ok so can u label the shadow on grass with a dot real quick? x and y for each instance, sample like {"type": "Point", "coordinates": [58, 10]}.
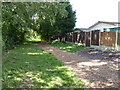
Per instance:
{"type": "Point", "coordinates": [28, 66]}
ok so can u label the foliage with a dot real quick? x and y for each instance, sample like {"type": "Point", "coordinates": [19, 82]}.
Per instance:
{"type": "Point", "coordinates": [65, 24]}
{"type": "Point", "coordinates": [18, 18]}
{"type": "Point", "coordinates": [14, 24]}
{"type": "Point", "coordinates": [91, 81]}
{"type": "Point", "coordinates": [57, 25]}
{"type": "Point", "coordinates": [50, 20]}
{"type": "Point", "coordinates": [45, 24]}
{"type": "Point", "coordinates": [69, 47]}
{"type": "Point", "coordinates": [28, 66]}
{"type": "Point", "coordinates": [32, 35]}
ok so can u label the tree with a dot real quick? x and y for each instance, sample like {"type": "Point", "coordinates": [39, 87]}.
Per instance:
{"type": "Point", "coordinates": [18, 18]}
{"type": "Point", "coordinates": [66, 24]}
{"type": "Point", "coordinates": [46, 23]}
{"type": "Point", "coordinates": [49, 19]}
{"type": "Point", "coordinates": [59, 24]}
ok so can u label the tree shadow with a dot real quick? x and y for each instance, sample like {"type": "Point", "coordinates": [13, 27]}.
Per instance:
{"type": "Point", "coordinates": [37, 68]}
{"type": "Point", "coordinates": [99, 54]}
{"type": "Point", "coordinates": [101, 66]}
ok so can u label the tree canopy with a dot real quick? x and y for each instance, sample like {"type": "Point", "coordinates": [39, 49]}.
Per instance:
{"type": "Point", "coordinates": [49, 19]}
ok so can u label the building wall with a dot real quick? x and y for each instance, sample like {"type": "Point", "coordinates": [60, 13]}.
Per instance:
{"type": "Point", "coordinates": [101, 26]}
{"type": "Point", "coordinates": [108, 38]}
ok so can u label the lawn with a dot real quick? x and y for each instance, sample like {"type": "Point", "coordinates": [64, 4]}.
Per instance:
{"type": "Point", "coordinates": [69, 47]}
{"type": "Point", "coordinates": [28, 66]}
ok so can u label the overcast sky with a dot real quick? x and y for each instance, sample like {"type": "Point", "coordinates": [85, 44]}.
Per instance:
{"type": "Point", "coordinates": [90, 11]}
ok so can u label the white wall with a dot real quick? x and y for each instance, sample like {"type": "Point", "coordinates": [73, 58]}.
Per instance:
{"type": "Point", "coordinates": [100, 26]}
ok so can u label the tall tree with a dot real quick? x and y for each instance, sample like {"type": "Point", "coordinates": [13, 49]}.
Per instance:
{"type": "Point", "coordinates": [59, 25]}
{"type": "Point", "coordinates": [49, 19]}
{"type": "Point", "coordinates": [65, 24]}
{"type": "Point", "coordinates": [45, 24]}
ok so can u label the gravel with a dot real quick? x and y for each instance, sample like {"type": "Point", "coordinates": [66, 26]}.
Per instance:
{"type": "Point", "coordinates": [98, 66]}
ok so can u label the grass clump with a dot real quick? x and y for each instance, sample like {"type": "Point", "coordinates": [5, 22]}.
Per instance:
{"type": "Point", "coordinates": [29, 66]}
{"type": "Point", "coordinates": [69, 47]}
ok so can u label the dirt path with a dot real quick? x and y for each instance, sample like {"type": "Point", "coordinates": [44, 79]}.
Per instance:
{"type": "Point", "coordinates": [96, 69]}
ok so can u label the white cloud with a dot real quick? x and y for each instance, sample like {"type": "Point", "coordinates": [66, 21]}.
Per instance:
{"type": "Point", "coordinates": [90, 11]}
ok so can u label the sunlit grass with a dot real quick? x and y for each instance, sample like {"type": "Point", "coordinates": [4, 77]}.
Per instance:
{"type": "Point", "coordinates": [69, 47]}
{"type": "Point", "coordinates": [32, 35]}
{"type": "Point", "coordinates": [33, 39]}
{"type": "Point", "coordinates": [28, 66]}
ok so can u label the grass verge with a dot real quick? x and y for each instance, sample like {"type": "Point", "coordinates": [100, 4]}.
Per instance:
{"type": "Point", "coordinates": [28, 66]}
{"type": "Point", "coordinates": [69, 47]}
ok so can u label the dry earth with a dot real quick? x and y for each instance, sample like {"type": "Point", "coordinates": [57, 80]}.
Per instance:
{"type": "Point", "coordinates": [98, 69]}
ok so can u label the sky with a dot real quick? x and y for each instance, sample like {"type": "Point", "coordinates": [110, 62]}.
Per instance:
{"type": "Point", "coordinates": [88, 12]}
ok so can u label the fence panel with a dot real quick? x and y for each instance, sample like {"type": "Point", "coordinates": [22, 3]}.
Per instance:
{"type": "Point", "coordinates": [81, 37]}
{"type": "Point", "coordinates": [108, 38]}
{"type": "Point", "coordinates": [87, 42]}
{"type": "Point", "coordinates": [74, 37]}
{"type": "Point", "coordinates": [69, 37]}
{"type": "Point", "coordinates": [118, 41]}
{"type": "Point", "coordinates": [95, 37]}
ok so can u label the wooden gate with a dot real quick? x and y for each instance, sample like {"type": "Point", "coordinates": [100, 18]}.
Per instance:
{"type": "Point", "coordinates": [95, 37]}
{"type": "Point", "coordinates": [87, 41]}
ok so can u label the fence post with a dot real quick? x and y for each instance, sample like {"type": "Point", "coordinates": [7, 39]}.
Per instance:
{"type": "Point", "coordinates": [72, 36]}
{"type": "Point", "coordinates": [99, 37]}
{"type": "Point", "coordinates": [90, 38]}
{"type": "Point", "coordinates": [77, 37]}
{"type": "Point", "coordinates": [85, 38]}
{"type": "Point", "coordinates": [116, 41]}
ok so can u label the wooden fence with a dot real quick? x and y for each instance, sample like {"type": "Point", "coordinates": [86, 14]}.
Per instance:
{"type": "Point", "coordinates": [108, 38]}
{"type": "Point", "coordinates": [76, 37]}
{"type": "Point", "coordinates": [95, 38]}
{"type": "Point", "coordinates": [118, 41]}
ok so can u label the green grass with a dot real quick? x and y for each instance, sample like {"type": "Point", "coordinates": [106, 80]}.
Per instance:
{"type": "Point", "coordinates": [91, 81]}
{"type": "Point", "coordinates": [69, 47]}
{"type": "Point", "coordinates": [33, 39]}
{"type": "Point", "coordinates": [30, 66]}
